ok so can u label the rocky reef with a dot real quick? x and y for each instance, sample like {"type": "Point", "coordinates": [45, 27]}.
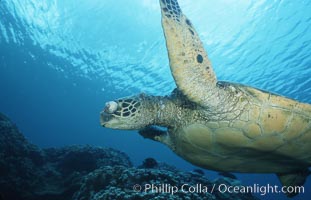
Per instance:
{"type": "Point", "coordinates": [92, 173]}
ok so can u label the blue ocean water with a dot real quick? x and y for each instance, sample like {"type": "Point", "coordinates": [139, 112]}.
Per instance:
{"type": "Point", "coordinates": [60, 61]}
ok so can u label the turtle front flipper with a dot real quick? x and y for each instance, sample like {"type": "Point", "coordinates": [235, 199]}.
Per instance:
{"type": "Point", "coordinates": [156, 134]}
{"type": "Point", "coordinates": [191, 69]}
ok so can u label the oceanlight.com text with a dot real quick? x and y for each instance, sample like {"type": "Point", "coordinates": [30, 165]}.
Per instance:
{"type": "Point", "coordinates": [260, 189]}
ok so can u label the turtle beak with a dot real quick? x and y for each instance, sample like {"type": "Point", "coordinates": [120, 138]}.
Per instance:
{"type": "Point", "coordinates": [110, 120]}
{"type": "Point", "coordinates": [105, 118]}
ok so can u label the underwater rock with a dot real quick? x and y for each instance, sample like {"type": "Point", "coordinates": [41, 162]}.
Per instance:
{"type": "Point", "coordinates": [199, 171]}
{"type": "Point", "coordinates": [152, 163]}
{"type": "Point", "coordinates": [149, 163]}
{"type": "Point", "coordinates": [19, 163]}
{"type": "Point", "coordinates": [85, 158]}
{"type": "Point", "coordinates": [88, 173]}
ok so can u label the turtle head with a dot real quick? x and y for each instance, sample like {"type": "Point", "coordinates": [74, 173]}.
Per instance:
{"type": "Point", "coordinates": [126, 113]}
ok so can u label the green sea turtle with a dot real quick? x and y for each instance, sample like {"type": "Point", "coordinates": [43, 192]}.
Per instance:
{"type": "Point", "coordinates": [213, 124]}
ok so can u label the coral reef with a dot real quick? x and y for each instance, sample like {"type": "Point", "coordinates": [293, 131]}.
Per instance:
{"type": "Point", "coordinates": [91, 173]}
{"type": "Point", "coordinates": [29, 173]}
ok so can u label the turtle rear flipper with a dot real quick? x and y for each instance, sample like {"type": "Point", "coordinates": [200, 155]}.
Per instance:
{"type": "Point", "coordinates": [190, 66]}
{"type": "Point", "coordinates": [295, 180]}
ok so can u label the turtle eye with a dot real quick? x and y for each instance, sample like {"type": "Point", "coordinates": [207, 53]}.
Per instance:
{"type": "Point", "coordinates": [111, 107]}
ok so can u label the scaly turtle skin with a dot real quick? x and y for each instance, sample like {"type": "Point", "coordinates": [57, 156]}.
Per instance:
{"type": "Point", "coordinates": [213, 124]}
